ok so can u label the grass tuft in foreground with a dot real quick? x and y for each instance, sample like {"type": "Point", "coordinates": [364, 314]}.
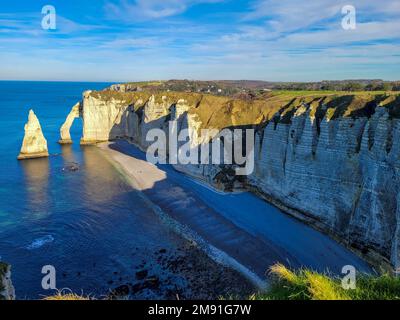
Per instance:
{"type": "Point", "coordinates": [309, 285]}
{"type": "Point", "coordinates": [62, 295]}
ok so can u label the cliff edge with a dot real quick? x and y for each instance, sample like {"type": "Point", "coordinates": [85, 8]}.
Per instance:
{"type": "Point", "coordinates": [330, 159]}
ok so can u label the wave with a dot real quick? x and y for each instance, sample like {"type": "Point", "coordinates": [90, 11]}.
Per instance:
{"type": "Point", "coordinates": [40, 242]}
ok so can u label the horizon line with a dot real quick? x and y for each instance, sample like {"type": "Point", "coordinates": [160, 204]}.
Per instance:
{"type": "Point", "coordinates": [186, 79]}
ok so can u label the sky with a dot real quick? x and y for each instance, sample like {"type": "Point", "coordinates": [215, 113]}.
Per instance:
{"type": "Point", "coordinates": [134, 40]}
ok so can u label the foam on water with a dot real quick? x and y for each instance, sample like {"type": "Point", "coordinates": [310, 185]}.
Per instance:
{"type": "Point", "coordinates": [40, 242]}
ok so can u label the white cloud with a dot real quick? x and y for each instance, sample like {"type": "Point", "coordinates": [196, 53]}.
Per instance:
{"type": "Point", "coordinates": [291, 15]}
{"type": "Point", "coordinates": [150, 9]}
{"type": "Point", "coordinates": [279, 40]}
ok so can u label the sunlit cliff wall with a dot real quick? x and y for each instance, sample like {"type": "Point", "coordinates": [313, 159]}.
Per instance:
{"type": "Point", "coordinates": [331, 160]}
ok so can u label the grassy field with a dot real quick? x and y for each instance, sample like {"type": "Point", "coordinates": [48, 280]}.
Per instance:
{"type": "Point", "coordinates": [309, 285]}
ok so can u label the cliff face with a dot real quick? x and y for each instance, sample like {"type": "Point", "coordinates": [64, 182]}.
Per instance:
{"type": "Point", "coordinates": [34, 144]}
{"type": "Point", "coordinates": [7, 291]}
{"type": "Point", "coordinates": [331, 160]}
{"type": "Point", "coordinates": [341, 174]}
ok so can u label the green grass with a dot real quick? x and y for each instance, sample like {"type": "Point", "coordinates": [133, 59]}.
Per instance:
{"type": "Point", "coordinates": [305, 285]}
{"type": "Point", "coordinates": [297, 93]}
{"type": "Point", "coordinates": [328, 92]}
{"type": "Point", "coordinates": [309, 285]}
{"type": "Point", "coordinates": [155, 83]}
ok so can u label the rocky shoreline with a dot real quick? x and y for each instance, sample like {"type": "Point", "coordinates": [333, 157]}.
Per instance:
{"type": "Point", "coordinates": [186, 274]}
{"type": "Point", "coordinates": [251, 257]}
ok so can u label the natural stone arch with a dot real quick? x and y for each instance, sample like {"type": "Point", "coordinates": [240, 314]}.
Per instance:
{"type": "Point", "coordinates": [65, 128]}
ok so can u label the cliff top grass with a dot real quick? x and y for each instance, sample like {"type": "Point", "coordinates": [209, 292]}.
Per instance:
{"type": "Point", "coordinates": [130, 98]}
{"type": "Point", "coordinates": [309, 285]}
{"type": "Point", "coordinates": [221, 111]}
{"type": "Point", "coordinates": [154, 83]}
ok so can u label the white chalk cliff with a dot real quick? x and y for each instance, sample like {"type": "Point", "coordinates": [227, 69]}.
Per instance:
{"type": "Point", "coordinates": [332, 161]}
{"type": "Point", "coordinates": [34, 144]}
{"type": "Point", "coordinates": [65, 129]}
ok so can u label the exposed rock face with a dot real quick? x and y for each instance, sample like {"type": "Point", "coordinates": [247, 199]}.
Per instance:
{"type": "Point", "coordinates": [64, 131]}
{"type": "Point", "coordinates": [341, 175]}
{"type": "Point", "coordinates": [34, 144]}
{"type": "Point", "coordinates": [108, 115]}
{"type": "Point", "coordinates": [330, 160]}
{"type": "Point", "coordinates": [7, 291]}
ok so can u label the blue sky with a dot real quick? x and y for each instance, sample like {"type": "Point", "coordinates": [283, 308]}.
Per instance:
{"type": "Point", "coordinates": [127, 40]}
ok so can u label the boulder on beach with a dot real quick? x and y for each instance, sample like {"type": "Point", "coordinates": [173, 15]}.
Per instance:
{"type": "Point", "coordinates": [34, 144]}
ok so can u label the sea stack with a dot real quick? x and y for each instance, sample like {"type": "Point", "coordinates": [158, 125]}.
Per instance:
{"type": "Point", "coordinates": [64, 131]}
{"type": "Point", "coordinates": [34, 144]}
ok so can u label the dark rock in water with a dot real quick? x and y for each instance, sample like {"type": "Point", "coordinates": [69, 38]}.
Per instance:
{"type": "Point", "coordinates": [140, 275]}
{"type": "Point", "coordinates": [163, 251]}
{"type": "Point", "coordinates": [72, 167]}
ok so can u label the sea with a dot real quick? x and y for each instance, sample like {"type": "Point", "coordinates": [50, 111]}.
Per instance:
{"type": "Point", "coordinates": [88, 224]}
{"type": "Point", "coordinates": [91, 227]}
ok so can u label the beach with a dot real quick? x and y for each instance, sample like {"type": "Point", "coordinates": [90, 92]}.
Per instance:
{"type": "Point", "coordinates": [246, 233]}
{"type": "Point", "coordinates": [208, 272]}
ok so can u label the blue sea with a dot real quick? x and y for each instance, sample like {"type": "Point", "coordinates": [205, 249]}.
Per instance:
{"type": "Point", "coordinates": [98, 232]}
{"type": "Point", "coordinates": [89, 224]}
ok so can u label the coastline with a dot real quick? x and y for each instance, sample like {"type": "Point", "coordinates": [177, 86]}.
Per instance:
{"type": "Point", "coordinates": [141, 176]}
{"type": "Point", "coordinates": [248, 230]}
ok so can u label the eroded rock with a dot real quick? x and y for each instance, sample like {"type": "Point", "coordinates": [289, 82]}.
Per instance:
{"type": "Point", "coordinates": [65, 128]}
{"type": "Point", "coordinates": [34, 144]}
